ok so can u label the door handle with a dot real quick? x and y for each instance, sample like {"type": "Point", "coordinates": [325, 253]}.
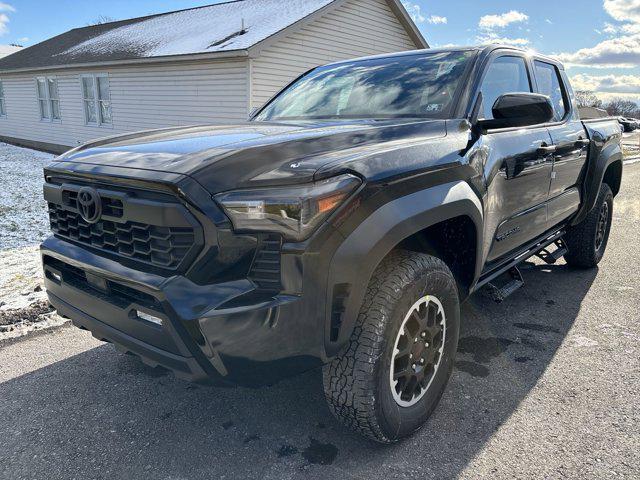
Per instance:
{"type": "Point", "coordinates": [546, 149]}
{"type": "Point", "coordinates": [583, 142]}
{"type": "Point", "coordinates": [533, 163]}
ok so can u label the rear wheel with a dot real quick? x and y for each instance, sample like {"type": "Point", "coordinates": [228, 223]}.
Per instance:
{"type": "Point", "coordinates": [401, 353]}
{"type": "Point", "coordinates": [588, 240]}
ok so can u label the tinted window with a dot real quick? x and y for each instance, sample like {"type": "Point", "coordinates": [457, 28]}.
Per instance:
{"type": "Point", "coordinates": [407, 86]}
{"type": "Point", "coordinates": [504, 75]}
{"type": "Point", "coordinates": [549, 84]}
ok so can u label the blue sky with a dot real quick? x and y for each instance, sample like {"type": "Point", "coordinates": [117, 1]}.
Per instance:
{"type": "Point", "coordinates": [599, 40]}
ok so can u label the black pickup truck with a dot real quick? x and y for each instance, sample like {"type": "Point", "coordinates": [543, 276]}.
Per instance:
{"type": "Point", "coordinates": [340, 227]}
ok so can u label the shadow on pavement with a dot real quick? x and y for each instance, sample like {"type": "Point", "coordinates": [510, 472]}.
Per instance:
{"type": "Point", "coordinates": [104, 415]}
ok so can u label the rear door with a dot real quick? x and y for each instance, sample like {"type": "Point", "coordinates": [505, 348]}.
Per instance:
{"type": "Point", "coordinates": [570, 139]}
{"type": "Point", "coordinates": [518, 165]}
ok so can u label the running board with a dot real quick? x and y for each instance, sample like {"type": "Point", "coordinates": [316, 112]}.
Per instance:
{"type": "Point", "coordinates": [529, 250]}
{"type": "Point", "coordinates": [512, 283]}
{"type": "Point", "coordinates": [552, 257]}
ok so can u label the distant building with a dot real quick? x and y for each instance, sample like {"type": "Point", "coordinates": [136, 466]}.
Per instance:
{"type": "Point", "coordinates": [204, 65]}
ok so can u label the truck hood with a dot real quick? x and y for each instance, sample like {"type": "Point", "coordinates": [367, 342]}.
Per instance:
{"type": "Point", "coordinates": [249, 154]}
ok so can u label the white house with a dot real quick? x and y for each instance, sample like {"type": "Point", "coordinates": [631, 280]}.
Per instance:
{"type": "Point", "coordinates": [204, 65]}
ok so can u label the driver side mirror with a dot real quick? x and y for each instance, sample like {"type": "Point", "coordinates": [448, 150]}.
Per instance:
{"type": "Point", "coordinates": [519, 110]}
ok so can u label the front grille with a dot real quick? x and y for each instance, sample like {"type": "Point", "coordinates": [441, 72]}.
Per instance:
{"type": "Point", "coordinates": [158, 246]}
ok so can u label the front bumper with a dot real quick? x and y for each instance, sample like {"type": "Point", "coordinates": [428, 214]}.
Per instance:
{"type": "Point", "coordinates": [223, 332]}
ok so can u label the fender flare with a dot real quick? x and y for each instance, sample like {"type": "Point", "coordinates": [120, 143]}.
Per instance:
{"type": "Point", "coordinates": [355, 260]}
{"type": "Point", "coordinates": [604, 153]}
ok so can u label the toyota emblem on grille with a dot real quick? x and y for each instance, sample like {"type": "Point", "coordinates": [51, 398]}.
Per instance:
{"type": "Point", "coordinates": [89, 204]}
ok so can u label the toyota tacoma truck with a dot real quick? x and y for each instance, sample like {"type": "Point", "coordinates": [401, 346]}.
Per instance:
{"type": "Point", "coordinates": [341, 226]}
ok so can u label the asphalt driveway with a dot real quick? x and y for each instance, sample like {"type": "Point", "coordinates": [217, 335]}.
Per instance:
{"type": "Point", "coordinates": [547, 386]}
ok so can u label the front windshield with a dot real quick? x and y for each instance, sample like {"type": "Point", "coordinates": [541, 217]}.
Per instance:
{"type": "Point", "coordinates": [411, 86]}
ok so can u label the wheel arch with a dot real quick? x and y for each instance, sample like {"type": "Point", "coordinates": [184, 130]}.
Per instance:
{"type": "Point", "coordinates": [410, 222]}
{"type": "Point", "coordinates": [605, 165]}
{"type": "Point", "coordinates": [613, 176]}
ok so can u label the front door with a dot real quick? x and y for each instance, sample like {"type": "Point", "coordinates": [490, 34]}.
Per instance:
{"type": "Point", "coordinates": [517, 168]}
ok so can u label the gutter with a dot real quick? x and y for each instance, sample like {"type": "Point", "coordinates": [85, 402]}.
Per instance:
{"type": "Point", "coordinates": [136, 61]}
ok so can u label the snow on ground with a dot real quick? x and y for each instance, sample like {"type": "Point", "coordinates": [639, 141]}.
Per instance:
{"type": "Point", "coordinates": [23, 215]}
{"type": "Point", "coordinates": [213, 28]}
{"type": "Point", "coordinates": [631, 145]}
{"type": "Point", "coordinates": [23, 225]}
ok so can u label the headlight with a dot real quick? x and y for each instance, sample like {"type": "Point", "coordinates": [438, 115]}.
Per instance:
{"type": "Point", "coordinates": [295, 211]}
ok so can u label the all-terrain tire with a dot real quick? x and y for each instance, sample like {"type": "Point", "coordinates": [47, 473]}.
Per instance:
{"type": "Point", "coordinates": [587, 241]}
{"type": "Point", "coordinates": [357, 383]}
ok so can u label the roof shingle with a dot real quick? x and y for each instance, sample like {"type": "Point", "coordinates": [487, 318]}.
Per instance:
{"type": "Point", "coordinates": [223, 27]}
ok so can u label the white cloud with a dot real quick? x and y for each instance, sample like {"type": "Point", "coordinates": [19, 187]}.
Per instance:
{"type": "Point", "coordinates": [4, 20]}
{"type": "Point", "coordinates": [617, 84]}
{"type": "Point", "coordinates": [414, 11]}
{"type": "Point", "coordinates": [621, 52]}
{"type": "Point", "coordinates": [435, 19]}
{"type": "Point", "coordinates": [631, 28]}
{"type": "Point", "coordinates": [608, 87]}
{"type": "Point", "coordinates": [548, 21]}
{"type": "Point", "coordinates": [23, 39]}
{"type": "Point", "coordinates": [623, 10]}
{"type": "Point", "coordinates": [489, 22]}
{"type": "Point", "coordinates": [622, 49]}
{"type": "Point", "coordinates": [8, 50]}
{"type": "Point", "coordinates": [492, 37]}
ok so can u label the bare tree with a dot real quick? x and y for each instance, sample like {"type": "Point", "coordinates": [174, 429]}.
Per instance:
{"type": "Point", "coordinates": [100, 20]}
{"type": "Point", "coordinates": [588, 99]}
{"type": "Point", "coordinates": [619, 107]}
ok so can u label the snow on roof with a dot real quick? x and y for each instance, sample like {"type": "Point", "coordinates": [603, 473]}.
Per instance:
{"type": "Point", "coordinates": [215, 28]}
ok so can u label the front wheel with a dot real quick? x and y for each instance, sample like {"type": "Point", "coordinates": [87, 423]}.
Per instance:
{"type": "Point", "coordinates": [401, 353]}
{"type": "Point", "coordinates": [588, 240]}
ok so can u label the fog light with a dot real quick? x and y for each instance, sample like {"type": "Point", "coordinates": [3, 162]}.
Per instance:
{"type": "Point", "coordinates": [138, 315]}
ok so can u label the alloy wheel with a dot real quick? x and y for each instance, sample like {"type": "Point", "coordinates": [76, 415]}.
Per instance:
{"type": "Point", "coordinates": [417, 353]}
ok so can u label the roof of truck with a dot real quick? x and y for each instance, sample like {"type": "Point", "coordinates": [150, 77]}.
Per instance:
{"type": "Point", "coordinates": [485, 49]}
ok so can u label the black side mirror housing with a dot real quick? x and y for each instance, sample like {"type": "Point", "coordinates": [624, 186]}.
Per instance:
{"type": "Point", "coordinates": [519, 110]}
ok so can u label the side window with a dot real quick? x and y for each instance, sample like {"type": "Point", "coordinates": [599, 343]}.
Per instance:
{"type": "Point", "coordinates": [550, 85]}
{"type": "Point", "coordinates": [97, 99]}
{"type": "Point", "coordinates": [48, 98]}
{"type": "Point", "coordinates": [504, 75]}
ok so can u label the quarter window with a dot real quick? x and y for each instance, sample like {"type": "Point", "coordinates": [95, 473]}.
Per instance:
{"type": "Point", "coordinates": [97, 99]}
{"type": "Point", "coordinates": [3, 109]}
{"type": "Point", "coordinates": [504, 75]}
{"type": "Point", "coordinates": [549, 84]}
{"type": "Point", "coordinates": [48, 98]}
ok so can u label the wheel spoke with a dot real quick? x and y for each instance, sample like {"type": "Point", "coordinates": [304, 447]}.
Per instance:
{"type": "Point", "coordinates": [418, 351]}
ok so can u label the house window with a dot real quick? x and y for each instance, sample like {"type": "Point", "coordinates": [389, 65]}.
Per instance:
{"type": "Point", "coordinates": [97, 99]}
{"type": "Point", "coordinates": [3, 109]}
{"type": "Point", "coordinates": [48, 98]}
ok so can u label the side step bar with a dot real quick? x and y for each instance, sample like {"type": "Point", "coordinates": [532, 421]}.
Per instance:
{"type": "Point", "coordinates": [514, 282]}
{"type": "Point", "coordinates": [552, 257]}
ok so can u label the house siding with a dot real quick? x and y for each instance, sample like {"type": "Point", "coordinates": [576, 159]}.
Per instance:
{"type": "Point", "coordinates": [195, 92]}
{"type": "Point", "coordinates": [142, 97]}
{"type": "Point", "coordinates": [356, 28]}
